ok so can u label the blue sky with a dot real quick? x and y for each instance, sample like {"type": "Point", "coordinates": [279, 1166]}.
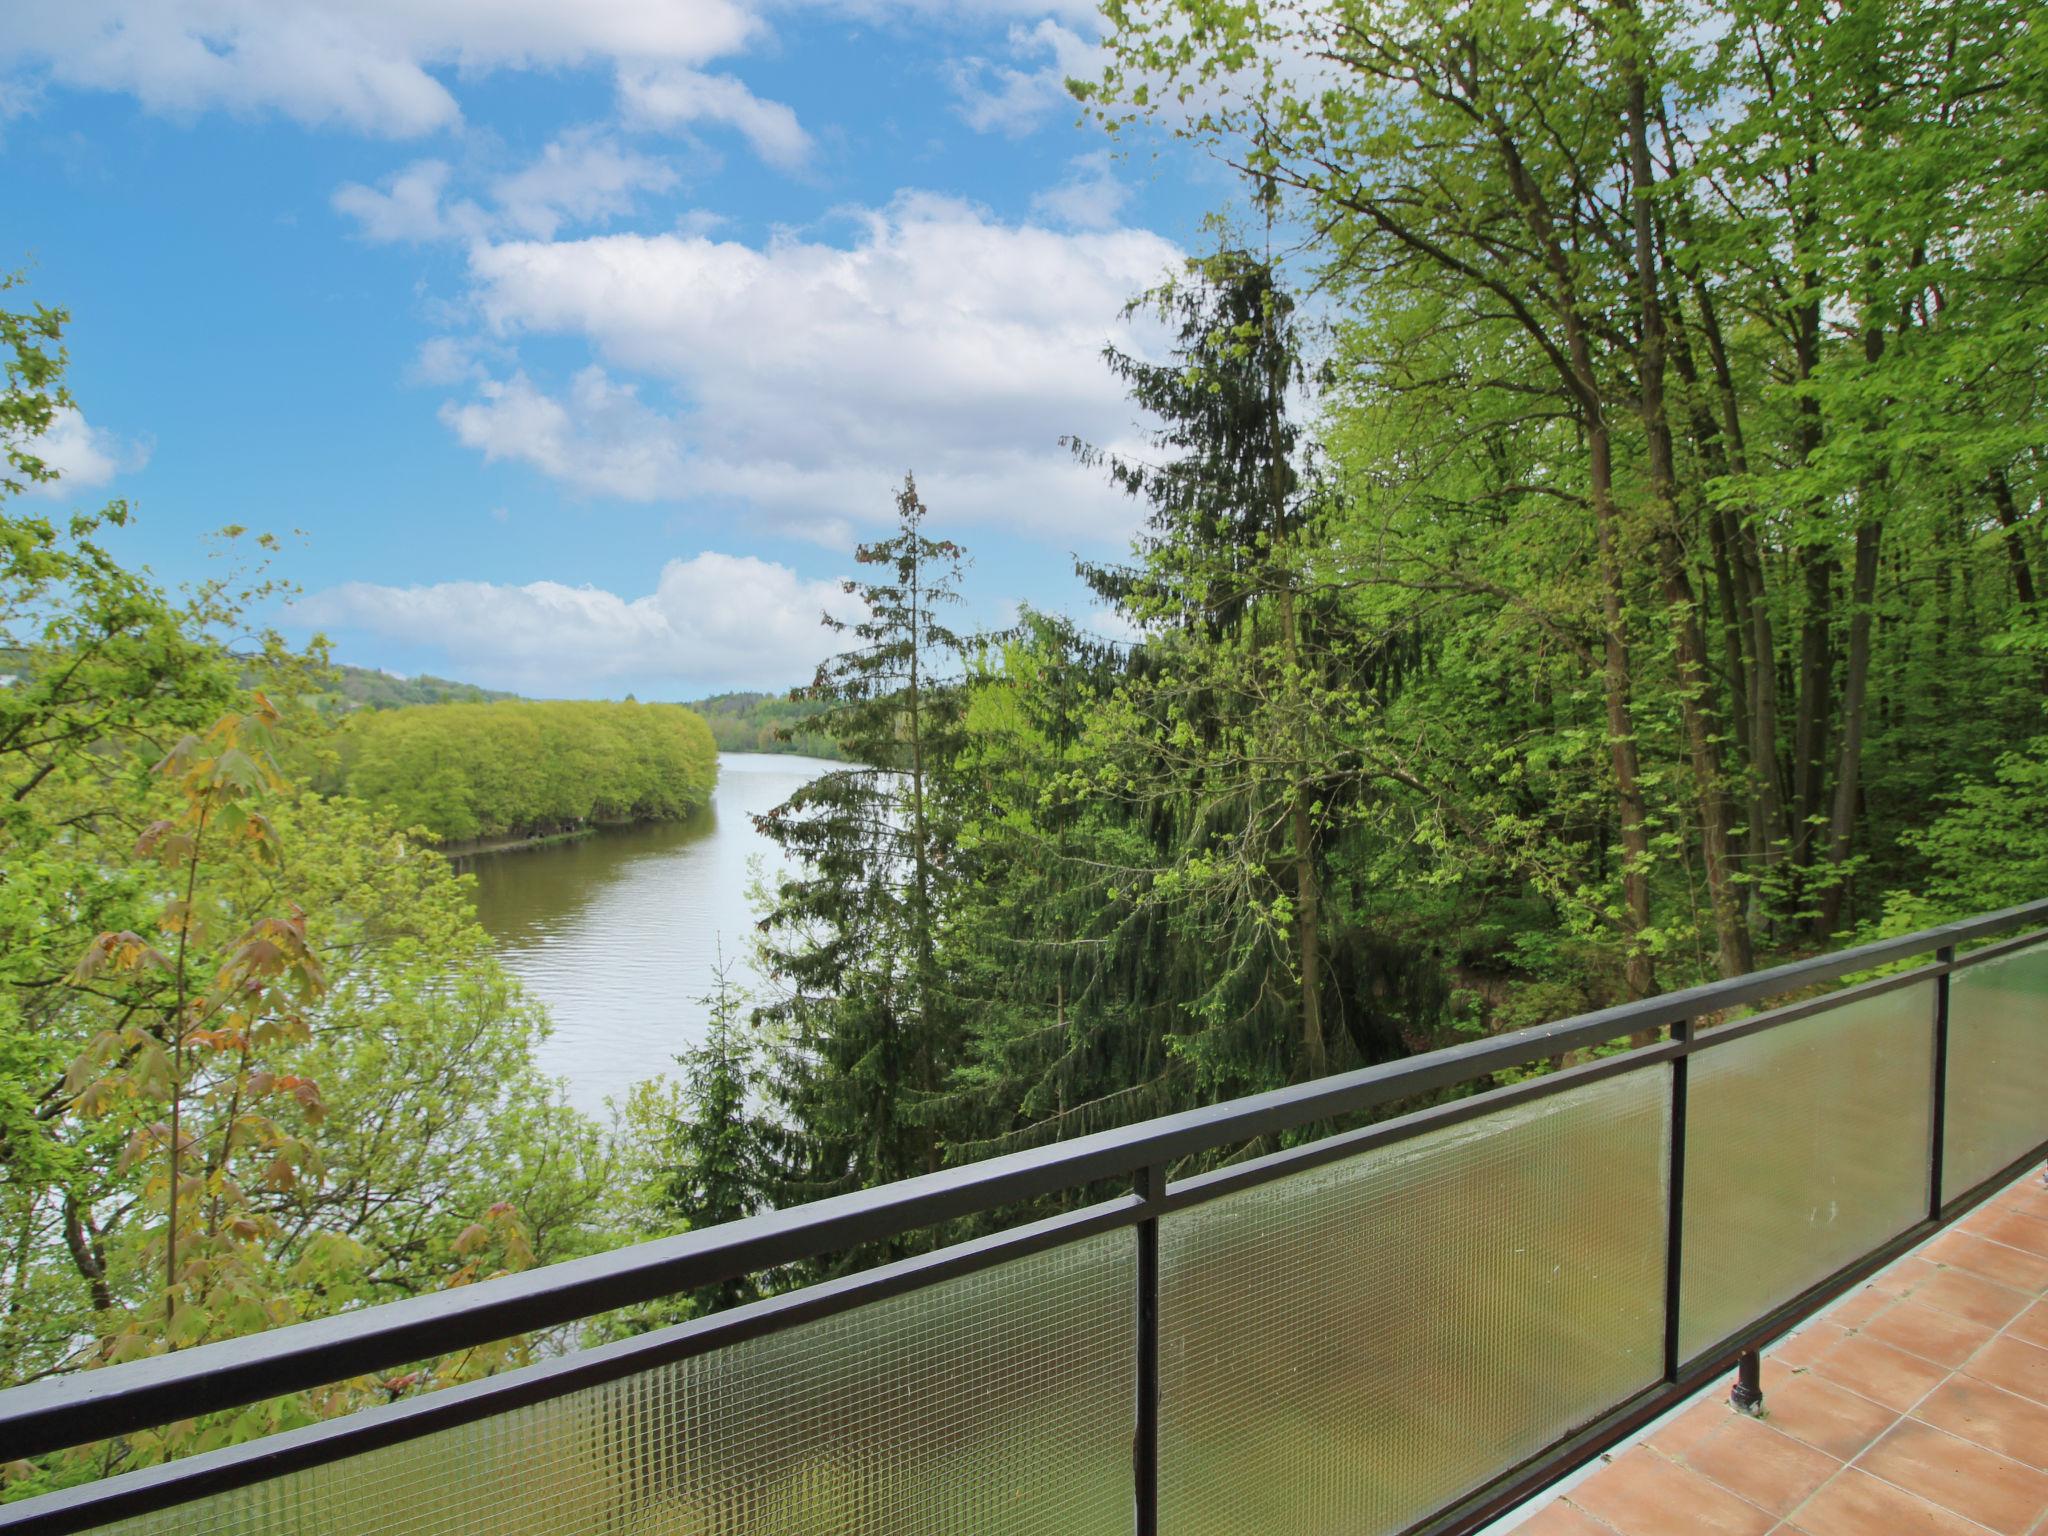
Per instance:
{"type": "Point", "coordinates": [571, 347]}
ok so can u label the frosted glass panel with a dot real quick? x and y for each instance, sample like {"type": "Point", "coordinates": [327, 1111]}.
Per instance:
{"type": "Point", "coordinates": [998, 1403]}
{"type": "Point", "coordinates": [1997, 1066]}
{"type": "Point", "coordinates": [1350, 1348]}
{"type": "Point", "coordinates": [1805, 1149]}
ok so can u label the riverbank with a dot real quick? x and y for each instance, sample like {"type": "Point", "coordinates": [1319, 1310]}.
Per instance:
{"type": "Point", "coordinates": [469, 850]}
{"type": "Point", "coordinates": [483, 776]}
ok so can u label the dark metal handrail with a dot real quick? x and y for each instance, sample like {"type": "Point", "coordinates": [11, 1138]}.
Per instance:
{"type": "Point", "coordinates": [92, 1405]}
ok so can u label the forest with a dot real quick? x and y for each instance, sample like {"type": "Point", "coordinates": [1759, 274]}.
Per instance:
{"type": "Point", "coordinates": [1592, 544]}
{"type": "Point", "coordinates": [764, 722]}
{"type": "Point", "coordinates": [366, 688]}
{"type": "Point", "coordinates": [520, 771]}
{"type": "Point", "coordinates": [1592, 541]}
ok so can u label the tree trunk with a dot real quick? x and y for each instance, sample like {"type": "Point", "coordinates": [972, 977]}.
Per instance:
{"type": "Point", "coordinates": [2015, 548]}
{"type": "Point", "coordinates": [86, 1254]}
{"type": "Point", "coordinates": [1856, 683]}
{"type": "Point", "coordinates": [1731, 931]}
{"type": "Point", "coordinates": [1769, 810]}
{"type": "Point", "coordinates": [1849, 761]}
{"type": "Point", "coordinates": [1581, 381]}
{"type": "Point", "coordinates": [1817, 567]}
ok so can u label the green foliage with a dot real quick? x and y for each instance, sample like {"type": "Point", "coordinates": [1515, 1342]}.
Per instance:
{"type": "Point", "coordinates": [482, 772]}
{"type": "Point", "coordinates": [363, 688]}
{"type": "Point", "coordinates": [864, 1028]}
{"type": "Point", "coordinates": [766, 722]}
{"type": "Point", "coordinates": [1679, 404]}
{"type": "Point", "coordinates": [1986, 850]}
{"type": "Point", "coordinates": [257, 1061]}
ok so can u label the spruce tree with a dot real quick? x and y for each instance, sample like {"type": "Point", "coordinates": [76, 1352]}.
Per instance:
{"type": "Point", "coordinates": [865, 1034]}
{"type": "Point", "coordinates": [719, 1174]}
{"type": "Point", "coordinates": [1227, 725]}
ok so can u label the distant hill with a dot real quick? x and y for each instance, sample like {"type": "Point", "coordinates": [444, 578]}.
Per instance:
{"type": "Point", "coordinates": [367, 688]}
{"type": "Point", "coordinates": [752, 722]}
{"type": "Point", "coordinates": [740, 721]}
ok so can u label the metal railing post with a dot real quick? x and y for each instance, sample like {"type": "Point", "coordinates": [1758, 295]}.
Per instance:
{"type": "Point", "coordinates": [1674, 1232]}
{"type": "Point", "coordinates": [1747, 1395]}
{"type": "Point", "coordinates": [1937, 1119]}
{"type": "Point", "coordinates": [1150, 1184]}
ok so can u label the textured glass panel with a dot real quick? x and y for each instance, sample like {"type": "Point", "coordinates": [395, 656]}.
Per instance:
{"type": "Point", "coordinates": [1805, 1149]}
{"type": "Point", "coordinates": [997, 1403]}
{"type": "Point", "coordinates": [1352, 1347]}
{"type": "Point", "coordinates": [1997, 1066]}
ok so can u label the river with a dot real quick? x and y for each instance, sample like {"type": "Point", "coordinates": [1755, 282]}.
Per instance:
{"type": "Point", "coordinates": [618, 932]}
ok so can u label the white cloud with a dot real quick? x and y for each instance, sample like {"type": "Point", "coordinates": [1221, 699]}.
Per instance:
{"type": "Point", "coordinates": [600, 438]}
{"type": "Point", "coordinates": [585, 176]}
{"type": "Point", "coordinates": [363, 64]}
{"type": "Point", "coordinates": [713, 621]}
{"type": "Point", "coordinates": [1004, 98]}
{"type": "Point", "coordinates": [409, 209]}
{"type": "Point", "coordinates": [85, 457]}
{"type": "Point", "coordinates": [673, 96]}
{"type": "Point", "coordinates": [811, 376]}
{"type": "Point", "coordinates": [582, 177]}
{"type": "Point", "coordinates": [445, 360]}
{"type": "Point", "coordinates": [1090, 198]}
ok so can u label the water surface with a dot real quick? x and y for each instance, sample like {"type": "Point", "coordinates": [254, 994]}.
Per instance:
{"type": "Point", "coordinates": [618, 932]}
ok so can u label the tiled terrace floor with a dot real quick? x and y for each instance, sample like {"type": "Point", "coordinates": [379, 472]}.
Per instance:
{"type": "Point", "coordinates": [1916, 1406]}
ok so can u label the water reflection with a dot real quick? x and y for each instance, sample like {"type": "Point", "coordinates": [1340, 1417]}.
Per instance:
{"type": "Point", "coordinates": [618, 932]}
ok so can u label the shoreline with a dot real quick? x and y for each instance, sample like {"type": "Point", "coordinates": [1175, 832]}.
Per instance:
{"type": "Point", "coordinates": [471, 850]}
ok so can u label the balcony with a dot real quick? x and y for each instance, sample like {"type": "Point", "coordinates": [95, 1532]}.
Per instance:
{"type": "Point", "coordinates": [1407, 1325]}
{"type": "Point", "coordinates": [1916, 1406]}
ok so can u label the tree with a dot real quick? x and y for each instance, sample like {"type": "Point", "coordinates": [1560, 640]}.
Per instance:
{"type": "Point", "coordinates": [257, 1062]}
{"type": "Point", "coordinates": [1229, 722]}
{"type": "Point", "coordinates": [1726, 281]}
{"type": "Point", "coordinates": [514, 769]}
{"type": "Point", "coordinates": [718, 1172]}
{"type": "Point", "coordinates": [865, 1026]}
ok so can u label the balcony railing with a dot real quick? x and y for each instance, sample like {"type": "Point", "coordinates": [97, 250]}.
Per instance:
{"type": "Point", "coordinates": [1405, 1327]}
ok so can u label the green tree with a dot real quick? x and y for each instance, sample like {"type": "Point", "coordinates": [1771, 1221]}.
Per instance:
{"type": "Point", "coordinates": [1230, 724]}
{"type": "Point", "coordinates": [514, 770]}
{"type": "Point", "coordinates": [257, 1062]}
{"type": "Point", "coordinates": [864, 1021]}
{"type": "Point", "coordinates": [719, 1172]}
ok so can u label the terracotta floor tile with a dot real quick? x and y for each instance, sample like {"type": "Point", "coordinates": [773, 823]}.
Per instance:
{"type": "Point", "coordinates": [1976, 1410]}
{"type": "Point", "coordinates": [1902, 1276]}
{"type": "Point", "coordinates": [2014, 1365]}
{"type": "Point", "coordinates": [1645, 1494]}
{"type": "Point", "coordinates": [1874, 1369]}
{"type": "Point", "coordinates": [1692, 1426]}
{"type": "Point", "coordinates": [1854, 1311]}
{"type": "Point", "coordinates": [1960, 1475]}
{"type": "Point", "coordinates": [1994, 1261]}
{"type": "Point", "coordinates": [1827, 1417]}
{"type": "Point", "coordinates": [1774, 1375]}
{"type": "Point", "coordinates": [1972, 1296]}
{"type": "Point", "coordinates": [1857, 1504]}
{"type": "Point", "coordinates": [2029, 1195]}
{"type": "Point", "coordinates": [2031, 1325]}
{"type": "Point", "coordinates": [1762, 1464]}
{"type": "Point", "coordinates": [2015, 1229]}
{"type": "Point", "coordinates": [1934, 1335]}
{"type": "Point", "coordinates": [1561, 1519]}
{"type": "Point", "coordinates": [1801, 1349]}
{"type": "Point", "coordinates": [2030, 1199]}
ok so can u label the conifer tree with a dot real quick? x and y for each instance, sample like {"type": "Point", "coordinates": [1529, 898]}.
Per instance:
{"type": "Point", "coordinates": [719, 1173]}
{"type": "Point", "coordinates": [1225, 723]}
{"type": "Point", "coordinates": [864, 1029]}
